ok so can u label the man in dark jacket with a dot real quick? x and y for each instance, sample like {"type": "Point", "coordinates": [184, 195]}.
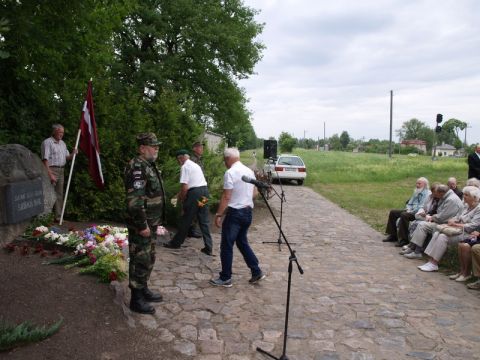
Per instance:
{"type": "Point", "coordinates": [474, 163]}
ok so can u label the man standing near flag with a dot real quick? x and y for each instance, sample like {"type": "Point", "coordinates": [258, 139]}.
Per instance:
{"type": "Point", "coordinates": [145, 197]}
{"type": "Point", "coordinates": [54, 156]}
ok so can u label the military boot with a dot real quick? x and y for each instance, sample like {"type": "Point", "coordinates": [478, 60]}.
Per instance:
{"type": "Point", "coordinates": [150, 296]}
{"type": "Point", "coordinates": [138, 303]}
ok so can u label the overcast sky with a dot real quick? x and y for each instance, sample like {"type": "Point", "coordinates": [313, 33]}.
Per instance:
{"type": "Point", "coordinates": [336, 62]}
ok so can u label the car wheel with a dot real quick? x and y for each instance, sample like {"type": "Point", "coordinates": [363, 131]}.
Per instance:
{"type": "Point", "coordinates": [300, 182]}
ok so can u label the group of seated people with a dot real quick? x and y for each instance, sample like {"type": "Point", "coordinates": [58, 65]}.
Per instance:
{"type": "Point", "coordinates": [436, 217]}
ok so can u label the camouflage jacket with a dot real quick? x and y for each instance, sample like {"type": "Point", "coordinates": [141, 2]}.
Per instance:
{"type": "Point", "coordinates": [197, 160]}
{"type": "Point", "coordinates": [145, 194]}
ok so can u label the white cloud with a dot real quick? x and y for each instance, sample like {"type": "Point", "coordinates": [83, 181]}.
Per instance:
{"type": "Point", "coordinates": [336, 62]}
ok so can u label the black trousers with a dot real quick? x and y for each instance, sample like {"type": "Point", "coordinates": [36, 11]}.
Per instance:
{"type": "Point", "coordinates": [405, 218]}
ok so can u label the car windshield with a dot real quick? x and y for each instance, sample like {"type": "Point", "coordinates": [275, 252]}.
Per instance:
{"type": "Point", "coordinates": [290, 160]}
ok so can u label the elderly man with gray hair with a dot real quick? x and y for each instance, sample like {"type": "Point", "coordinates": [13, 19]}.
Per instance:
{"type": "Point", "coordinates": [449, 206]}
{"type": "Point", "coordinates": [398, 220]}
{"type": "Point", "coordinates": [236, 209]}
{"type": "Point", "coordinates": [54, 156]}
{"type": "Point", "coordinates": [452, 184]}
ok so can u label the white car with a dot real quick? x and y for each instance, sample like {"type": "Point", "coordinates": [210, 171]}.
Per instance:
{"type": "Point", "coordinates": [287, 167]}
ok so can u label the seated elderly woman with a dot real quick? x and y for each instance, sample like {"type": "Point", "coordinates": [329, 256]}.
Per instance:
{"type": "Point", "coordinates": [465, 257]}
{"type": "Point", "coordinates": [467, 222]}
{"type": "Point", "coordinates": [476, 267]}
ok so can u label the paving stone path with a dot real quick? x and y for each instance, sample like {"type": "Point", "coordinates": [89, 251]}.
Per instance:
{"type": "Point", "coordinates": [358, 299]}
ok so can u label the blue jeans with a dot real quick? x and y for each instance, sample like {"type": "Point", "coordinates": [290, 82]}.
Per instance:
{"type": "Point", "coordinates": [234, 230]}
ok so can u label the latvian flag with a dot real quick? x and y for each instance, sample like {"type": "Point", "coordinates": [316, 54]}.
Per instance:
{"type": "Point", "coordinates": [89, 139]}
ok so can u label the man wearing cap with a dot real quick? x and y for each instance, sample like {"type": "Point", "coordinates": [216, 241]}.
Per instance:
{"type": "Point", "coordinates": [194, 197]}
{"type": "Point", "coordinates": [197, 153]}
{"type": "Point", "coordinates": [145, 197]}
{"type": "Point", "coordinates": [54, 156]}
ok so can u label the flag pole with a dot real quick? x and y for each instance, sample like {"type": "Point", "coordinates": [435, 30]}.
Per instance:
{"type": "Point", "coordinates": [70, 176]}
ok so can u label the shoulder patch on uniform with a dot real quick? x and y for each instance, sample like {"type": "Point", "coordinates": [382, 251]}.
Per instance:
{"type": "Point", "coordinates": [138, 184]}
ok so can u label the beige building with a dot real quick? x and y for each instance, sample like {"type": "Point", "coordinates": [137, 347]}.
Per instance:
{"type": "Point", "coordinates": [445, 150]}
{"type": "Point", "coordinates": [419, 144]}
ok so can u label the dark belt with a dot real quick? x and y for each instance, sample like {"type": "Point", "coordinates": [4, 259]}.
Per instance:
{"type": "Point", "coordinates": [198, 187]}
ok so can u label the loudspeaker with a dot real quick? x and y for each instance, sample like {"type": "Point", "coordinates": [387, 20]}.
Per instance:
{"type": "Point", "coordinates": [269, 149]}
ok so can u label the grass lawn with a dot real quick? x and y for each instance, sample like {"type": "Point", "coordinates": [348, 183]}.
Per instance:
{"type": "Point", "coordinates": [369, 185]}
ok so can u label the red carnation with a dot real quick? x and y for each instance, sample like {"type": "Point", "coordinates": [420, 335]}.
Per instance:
{"type": "Point", "coordinates": [112, 276]}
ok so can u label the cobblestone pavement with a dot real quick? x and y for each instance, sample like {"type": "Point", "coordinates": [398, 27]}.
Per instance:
{"type": "Point", "coordinates": [358, 299]}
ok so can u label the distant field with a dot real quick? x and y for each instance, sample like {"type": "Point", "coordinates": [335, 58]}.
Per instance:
{"type": "Point", "coordinates": [369, 185]}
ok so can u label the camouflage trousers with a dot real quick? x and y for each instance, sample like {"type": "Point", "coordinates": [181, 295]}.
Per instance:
{"type": "Point", "coordinates": [142, 258]}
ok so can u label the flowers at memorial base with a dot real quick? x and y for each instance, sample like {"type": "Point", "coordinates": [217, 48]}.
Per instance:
{"type": "Point", "coordinates": [9, 248]}
{"type": "Point", "coordinates": [161, 231]}
{"type": "Point", "coordinates": [98, 249]}
{"type": "Point", "coordinates": [202, 201]}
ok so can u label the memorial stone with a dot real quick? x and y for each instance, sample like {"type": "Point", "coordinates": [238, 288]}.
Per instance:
{"type": "Point", "coordinates": [25, 190]}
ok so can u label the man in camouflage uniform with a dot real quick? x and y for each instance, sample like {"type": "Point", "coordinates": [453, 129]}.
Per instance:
{"type": "Point", "coordinates": [145, 206]}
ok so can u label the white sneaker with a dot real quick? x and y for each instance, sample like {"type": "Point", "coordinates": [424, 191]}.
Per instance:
{"type": "Point", "coordinates": [429, 267]}
{"type": "Point", "coordinates": [420, 266]}
{"type": "Point", "coordinates": [413, 255]}
{"type": "Point", "coordinates": [462, 278]}
{"type": "Point", "coordinates": [405, 247]}
{"type": "Point", "coordinates": [454, 276]}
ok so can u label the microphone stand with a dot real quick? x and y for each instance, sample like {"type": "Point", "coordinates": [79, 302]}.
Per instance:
{"type": "Point", "coordinates": [282, 198]}
{"type": "Point", "coordinates": [292, 258]}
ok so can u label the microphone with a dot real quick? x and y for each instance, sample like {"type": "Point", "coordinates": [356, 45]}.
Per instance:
{"type": "Point", "coordinates": [255, 182]}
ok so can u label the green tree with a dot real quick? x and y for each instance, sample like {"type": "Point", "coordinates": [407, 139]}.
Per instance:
{"type": "Point", "coordinates": [334, 142]}
{"type": "Point", "coordinates": [165, 66]}
{"type": "Point", "coordinates": [416, 129]}
{"type": "Point", "coordinates": [344, 139]}
{"type": "Point", "coordinates": [286, 142]}
{"type": "Point", "coordinates": [450, 132]}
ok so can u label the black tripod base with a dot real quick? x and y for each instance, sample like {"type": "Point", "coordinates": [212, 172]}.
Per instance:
{"type": "Point", "coordinates": [283, 357]}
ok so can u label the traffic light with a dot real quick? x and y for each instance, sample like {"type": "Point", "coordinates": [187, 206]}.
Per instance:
{"type": "Point", "coordinates": [438, 128]}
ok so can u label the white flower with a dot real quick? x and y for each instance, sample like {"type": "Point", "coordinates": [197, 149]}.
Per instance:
{"type": "Point", "coordinates": [42, 229]}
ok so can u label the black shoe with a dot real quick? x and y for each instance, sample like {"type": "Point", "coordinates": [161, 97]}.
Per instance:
{"type": "Point", "coordinates": [138, 303]}
{"type": "Point", "coordinates": [169, 245]}
{"type": "Point", "coordinates": [195, 234]}
{"type": "Point", "coordinates": [207, 251]}
{"type": "Point", "coordinates": [257, 278]}
{"type": "Point", "coordinates": [150, 296]}
{"type": "Point", "coordinates": [389, 238]}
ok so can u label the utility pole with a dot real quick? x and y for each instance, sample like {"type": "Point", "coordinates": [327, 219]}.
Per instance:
{"type": "Point", "coordinates": [324, 138]}
{"type": "Point", "coordinates": [391, 122]}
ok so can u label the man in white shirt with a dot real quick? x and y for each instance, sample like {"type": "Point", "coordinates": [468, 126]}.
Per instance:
{"type": "Point", "coordinates": [236, 205]}
{"type": "Point", "coordinates": [54, 156]}
{"type": "Point", "coordinates": [194, 197]}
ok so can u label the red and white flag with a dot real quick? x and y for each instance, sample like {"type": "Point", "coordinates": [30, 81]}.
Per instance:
{"type": "Point", "coordinates": [89, 140]}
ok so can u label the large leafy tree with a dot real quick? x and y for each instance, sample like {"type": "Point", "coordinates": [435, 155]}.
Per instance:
{"type": "Point", "coordinates": [450, 132]}
{"type": "Point", "coordinates": [165, 66]}
{"type": "Point", "coordinates": [344, 139]}
{"type": "Point", "coordinates": [416, 129]}
{"type": "Point", "coordinates": [286, 142]}
{"type": "Point", "coordinates": [194, 48]}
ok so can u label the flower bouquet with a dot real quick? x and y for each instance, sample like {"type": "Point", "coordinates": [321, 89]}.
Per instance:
{"type": "Point", "coordinates": [97, 249]}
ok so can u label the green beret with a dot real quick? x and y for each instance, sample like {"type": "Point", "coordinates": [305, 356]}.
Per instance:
{"type": "Point", "coordinates": [148, 138]}
{"type": "Point", "coordinates": [181, 152]}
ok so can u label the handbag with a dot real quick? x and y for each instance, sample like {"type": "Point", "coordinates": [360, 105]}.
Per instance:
{"type": "Point", "coordinates": [449, 230]}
